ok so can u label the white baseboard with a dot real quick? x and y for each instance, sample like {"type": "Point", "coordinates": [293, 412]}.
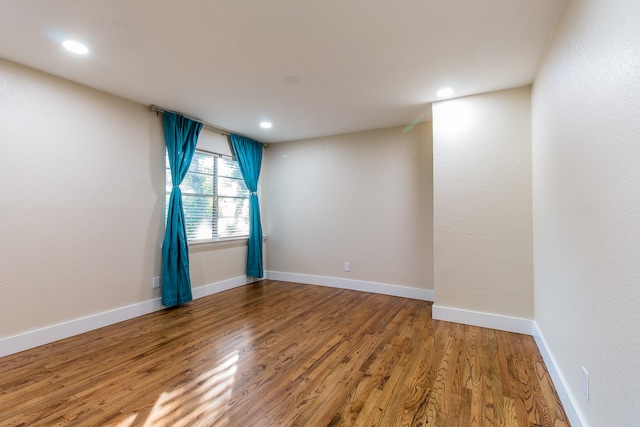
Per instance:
{"type": "Point", "coordinates": [214, 288]}
{"type": "Point", "coordinates": [485, 320]}
{"type": "Point", "coordinates": [559, 381]}
{"type": "Point", "coordinates": [46, 335]}
{"type": "Point", "coordinates": [354, 285]}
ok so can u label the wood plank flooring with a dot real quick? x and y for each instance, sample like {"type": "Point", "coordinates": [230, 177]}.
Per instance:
{"type": "Point", "coordinates": [283, 354]}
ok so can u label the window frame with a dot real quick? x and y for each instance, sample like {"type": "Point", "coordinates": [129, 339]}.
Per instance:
{"type": "Point", "coordinates": [215, 198]}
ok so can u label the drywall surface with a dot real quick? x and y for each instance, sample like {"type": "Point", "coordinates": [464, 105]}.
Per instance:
{"type": "Point", "coordinates": [83, 194]}
{"type": "Point", "coordinates": [482, 203]}
{"type": "Point", "coordinates": [364, 198]}
{"type": "Point", "coordinates": [586, 192]}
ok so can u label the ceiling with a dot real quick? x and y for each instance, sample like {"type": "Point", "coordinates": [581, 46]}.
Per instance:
{"type": "Point", "coordinates": [312, 68]}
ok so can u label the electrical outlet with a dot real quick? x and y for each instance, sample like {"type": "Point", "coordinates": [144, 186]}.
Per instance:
{"type": "Point", "coordinates": [347, 266]}
{"type": "Point", "coordinates": [585, 383]}
{"type": "Point", "coordinates": [156, 282]}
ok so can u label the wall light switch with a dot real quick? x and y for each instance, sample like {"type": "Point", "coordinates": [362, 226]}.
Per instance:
{"type": "Point", "coordinates": [585, 383]}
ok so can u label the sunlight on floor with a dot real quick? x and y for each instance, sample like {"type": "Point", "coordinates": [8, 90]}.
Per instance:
{"type": "Point", "coordinates": [199, 402]}
{"type": "Point", "coordinates": [128, 421]}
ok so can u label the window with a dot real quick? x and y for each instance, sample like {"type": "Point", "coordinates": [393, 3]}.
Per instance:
{"type": "Point", "coordinates": [214, 197]}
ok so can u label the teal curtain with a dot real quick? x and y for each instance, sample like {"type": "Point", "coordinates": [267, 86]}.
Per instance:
{"type": "Point", "coordinates": [181, 135]}
{"type": "Point", "coordinates": [249, 156]}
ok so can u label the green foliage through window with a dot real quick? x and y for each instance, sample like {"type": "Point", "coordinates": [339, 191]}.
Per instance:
{"type": "Point", "coordinates": [214, 197]}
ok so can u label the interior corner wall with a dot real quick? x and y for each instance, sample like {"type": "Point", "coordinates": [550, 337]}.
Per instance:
{"type": "Point", "coordinates": [82, 216]}
{"type": "Point", "coordinates": [364, 198]}
{"type": "Point", "coordinates": [483, 249]}
{"type": "Point", "coordinates": [586, 182]}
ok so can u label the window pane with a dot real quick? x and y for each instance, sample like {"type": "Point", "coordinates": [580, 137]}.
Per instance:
{"type": "Point", "coordinates": [232, 187]}
{"type": "Point", "coordinates": [228, 168]}
{"type": "Point", "coordinates": [202, 163]}
{"type": "Point", "coordinates": [233, 217]}
{"type": "Point", "coordinates": [196, 180]}
{"type": "Point", "coordinates": [209, 176]}
{"type": "Point", "coordinates": [231, 207]}
{"type": "Point", "coordinates": [233, 227]}
{"type": "Point", "coordinates": [197, 183]}
{"type": "Point", "coordinates": [198, 214]}
{"type": "Point", "coordinates": [200, 229]}
{"type": "Point", "coordinates": [168, 181]}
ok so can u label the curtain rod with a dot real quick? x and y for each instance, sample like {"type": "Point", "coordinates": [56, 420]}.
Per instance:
{"type": "Point", "coordinates": [222, 131]}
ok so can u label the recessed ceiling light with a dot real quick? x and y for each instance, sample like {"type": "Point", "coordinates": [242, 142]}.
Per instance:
{"type": "Point", "coordinates": [75, 47]}
{"type": "Point", "coordinates": [445, 92]}
{"type": "Point", "coordinates": [265, 125]}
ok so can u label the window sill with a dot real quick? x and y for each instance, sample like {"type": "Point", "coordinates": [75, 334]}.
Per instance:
{"type": "Point", "coordinates": [222, 243]}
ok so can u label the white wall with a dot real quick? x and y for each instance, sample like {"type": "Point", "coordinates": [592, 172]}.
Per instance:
{"type": "Point", "coordinates": [82, 198]}
{"type": "Point", "coordinates": [586, 182]}
{"type": "Point", "coordinates": [483, 250]}
{"type": "Point", "coordinates": [364, 197]}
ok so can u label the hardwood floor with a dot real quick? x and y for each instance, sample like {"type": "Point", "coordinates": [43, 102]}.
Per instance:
{"type": "Point", "coordinates": [283, 354]}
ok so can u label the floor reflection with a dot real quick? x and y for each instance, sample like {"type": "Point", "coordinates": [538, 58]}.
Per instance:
{"type": "Point", "coordinates": [200, 402]}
